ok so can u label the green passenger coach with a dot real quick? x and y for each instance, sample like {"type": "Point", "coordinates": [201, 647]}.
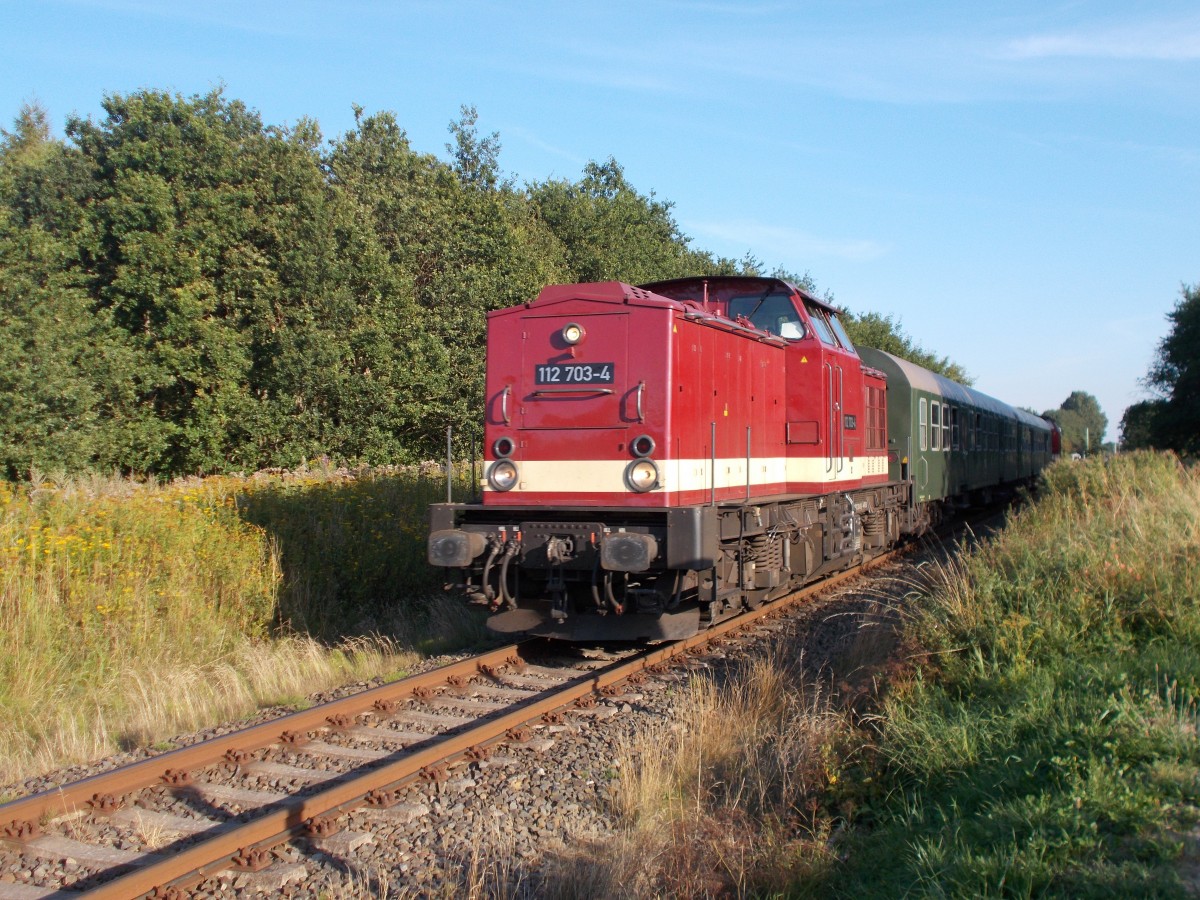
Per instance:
{"type": "Point", "coordinates": [952, 443]}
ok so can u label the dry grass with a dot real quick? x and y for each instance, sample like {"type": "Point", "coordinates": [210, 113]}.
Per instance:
{"type": "Point", "coordinates": [149, 703]}
{"type": "Point", "coordinates": [723, 800]}
{"type": "Point", "coordinates": [130, 611]}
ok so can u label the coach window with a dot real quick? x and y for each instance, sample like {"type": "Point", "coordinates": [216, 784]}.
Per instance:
{"type": "Point", "coordinates": [924, 426]}
{"type": "Point", "coordinates": [935, 424]}
{"type": "Point", "coordinates": [946, 410]}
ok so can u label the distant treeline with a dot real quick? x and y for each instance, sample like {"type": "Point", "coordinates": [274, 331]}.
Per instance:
{"type": "Point", "coordinates": [184, 289]}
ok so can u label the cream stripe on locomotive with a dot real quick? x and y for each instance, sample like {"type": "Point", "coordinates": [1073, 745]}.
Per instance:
{"type": "Point", "coordinates": [603, 476]}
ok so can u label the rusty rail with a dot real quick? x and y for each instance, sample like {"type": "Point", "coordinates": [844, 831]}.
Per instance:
{"type": "Point", "coordinates": [313, 813]}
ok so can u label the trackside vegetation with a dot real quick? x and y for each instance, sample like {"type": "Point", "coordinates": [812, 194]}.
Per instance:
{"type": "Point", "coordinates": [1040, 738]}
{"type": "Point", "coordinates": [1045, 741]}
{"type": "Point", "coordinates": [132, 611]}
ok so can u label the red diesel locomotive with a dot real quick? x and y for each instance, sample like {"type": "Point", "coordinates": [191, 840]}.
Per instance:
{"type": "Point", "coordinates": [659, 457]}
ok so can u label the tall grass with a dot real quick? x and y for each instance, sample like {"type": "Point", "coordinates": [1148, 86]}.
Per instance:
{"type": "Point", "coordinates": [1046, 746]}
{"type": "Point", "coordinates": [1040, 741]}
{"type": "Point", "coordinates": [130, 611]}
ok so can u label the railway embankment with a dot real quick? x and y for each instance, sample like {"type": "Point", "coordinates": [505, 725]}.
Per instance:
{"type": "Point", "coordinates": [1044, 741]}
{"type": "Point", "coordinates": [1019, 717]}
{"type": "Point", "coordinates": [1036, 734]}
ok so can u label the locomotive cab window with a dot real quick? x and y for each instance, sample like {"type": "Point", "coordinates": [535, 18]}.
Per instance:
{"type": "Point", "coordinates": [843, 338]}
{"type": "Point", "coordinates": [821, 324]}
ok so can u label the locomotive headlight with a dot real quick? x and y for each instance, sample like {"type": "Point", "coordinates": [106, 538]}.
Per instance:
{"type": "Point", "coordinates": [502, 476]}
{"type": "Point", "coordinates": [572, 333]}
{"type": "Point", "coordinates": [641, 475]}
{"type": "Point", "coordinates": [642, 445]}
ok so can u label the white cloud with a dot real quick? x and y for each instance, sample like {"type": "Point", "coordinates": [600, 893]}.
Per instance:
{"type": "Point", "coordinates": [1155, 41]}
{"type": "Point", "coordinates": [528, 137]}
{"type": "Point", "coordinates": [776, 241]}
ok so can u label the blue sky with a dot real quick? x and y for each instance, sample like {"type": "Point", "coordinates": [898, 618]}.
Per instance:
{"type": "Point", "coordinates": [1017, 182]}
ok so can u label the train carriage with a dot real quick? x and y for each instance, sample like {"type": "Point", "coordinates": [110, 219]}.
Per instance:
{"type": "Point", "coordinates": [956, 444]}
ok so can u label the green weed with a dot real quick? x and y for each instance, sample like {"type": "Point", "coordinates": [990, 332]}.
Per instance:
{"type": "Point", "coordinates": [1048, 745]}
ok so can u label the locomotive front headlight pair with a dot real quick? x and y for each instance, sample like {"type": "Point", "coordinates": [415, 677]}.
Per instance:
{"type": "Point", "coordinates": [641, 475]}
{"type": "Point", "coordinates": [502, 475]}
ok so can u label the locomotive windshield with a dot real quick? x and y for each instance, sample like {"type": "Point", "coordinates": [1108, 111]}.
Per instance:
{"type": "Point", "coordinates": [828, 328]}
{"type": "Point", "coordinates": [771, 312]}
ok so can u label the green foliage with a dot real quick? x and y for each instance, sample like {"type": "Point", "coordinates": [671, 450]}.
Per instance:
{"type": "Point", "coordinates": [1173, 421]}
{"type": "Point", "coordinates": [1081, 422]}
{"type": "Point", "coordinates": [884, 333]}
{"type": "Point", "coordinates": [1046, 746]}
{"type": "Point", "coordinates": [611, 232]}
{"type": "Point", "coordinates": [1139, 425]}
{"type": "Point", "coordinates": [57, 358]}
{"type": "Point", "coordinates": [187, 290]}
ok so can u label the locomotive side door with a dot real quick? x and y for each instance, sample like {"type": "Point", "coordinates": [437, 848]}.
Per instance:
{"type": "Point", "coordinates": [841, 389]}
{"type": "Point", "coordinates": [834, 390]}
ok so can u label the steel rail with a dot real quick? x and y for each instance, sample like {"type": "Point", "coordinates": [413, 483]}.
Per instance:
{"type": "Point", "coordinates": [283, 819]}
{"type": "Point", "coordinates": [290, 817]}
{"type": "Point", "coordinates": [17, 815]}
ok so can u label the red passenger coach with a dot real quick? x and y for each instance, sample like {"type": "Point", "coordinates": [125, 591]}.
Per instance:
{"type": "Point", "coordinates": [658, 457]}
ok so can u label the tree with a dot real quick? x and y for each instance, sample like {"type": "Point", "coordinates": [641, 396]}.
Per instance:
{"type": "Point", "coordinates": [611, 232]}
{"type": "Point", "coordinates": [207, 233]}
{"type": "Point", "coordinates": [1140, 425]}
{"type": "Point", "coordinates": [884, 333]}
{"type": "Point", "coordinates": [476, 159]}
{"type": "Point", "coordinates": [1081, 422]}
{"type": "Point", "coordinates": [63, 365]}
{"type": "Point", "coordinates": [1175, 377]}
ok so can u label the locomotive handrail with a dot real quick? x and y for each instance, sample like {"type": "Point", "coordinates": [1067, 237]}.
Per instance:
{"type": "Point", "coordinates": [504, 403]}
{"type": "Point", "coordinates": [720, 322]}
{"type": "Point", "coordinates": [831, 418]}
{"type": "Point", "coordinates": [841, 409]}
{"type": "Point", "coordinates": [641, 389]}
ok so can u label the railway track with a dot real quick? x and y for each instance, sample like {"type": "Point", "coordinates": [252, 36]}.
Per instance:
{"type": "Point", "coordinates": [219, 806]}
